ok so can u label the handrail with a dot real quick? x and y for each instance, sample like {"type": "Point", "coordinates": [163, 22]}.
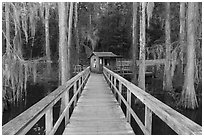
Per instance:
{"type": "Point", "coordinates": [78, 68]}
{"type": "Point", "coordinates": [178, 122]}
{"type": "Point", "coordinates": [25, 121]}
{"type": "Point", "coordinates": [126, 66]}
{"type": "Point", "coordinates": [148, 62]}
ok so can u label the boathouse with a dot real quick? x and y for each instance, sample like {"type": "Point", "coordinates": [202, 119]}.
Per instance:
{"type": "Point", "coordinates": [100, 59]}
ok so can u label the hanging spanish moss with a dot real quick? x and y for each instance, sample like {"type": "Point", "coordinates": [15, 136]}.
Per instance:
{"type": "Point", "coordinates": [16, 69]}
{"type": "Point", "coordinates": [16, 72]}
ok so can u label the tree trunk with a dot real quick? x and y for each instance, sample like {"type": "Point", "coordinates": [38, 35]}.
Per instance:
{"type": "Point", "coordinates": [134, 43]}
{"type": "Point", "coordinates": [47, 40]}
{"type": "Point", "coordinates": [62, 42]}
{"type": "Point", "coordinates": [188, 97]}
{"type": "Point", "coordinates": [142, 48]}
{"type": "Point", "coordinates": [69, 40]}
{"type": "Point", "coordinates": [167, 81]}
{"type": "Point", "coordinates": [198, 43]}
{"type": "Point", "coordinates": [76, 32]}
{"type": "Point", "coordinates": [182, 31]}
{"type": "Point", "coordinates": [63, 51]}
{"type": "Point", "coordinates": [7, 35]}
{"type": "Point", "coordinates": [7, 11]}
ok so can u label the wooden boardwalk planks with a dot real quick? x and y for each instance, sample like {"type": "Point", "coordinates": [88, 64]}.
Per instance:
{"type": "Point", "coordinates": [97, 111]}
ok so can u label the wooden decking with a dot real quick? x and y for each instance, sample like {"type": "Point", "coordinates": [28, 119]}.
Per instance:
{"type": "Point", "coordinates": [97, 111]}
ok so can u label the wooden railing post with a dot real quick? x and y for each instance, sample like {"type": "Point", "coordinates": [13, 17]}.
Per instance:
{"type": "Point", "coordinates": [111, 80]}
{"type": "Point", "coordinates": [66, 101]}
{"type": "Point", "coordinates": [120, 90]}
{"type": "Point", "coordinates": [128, 116]}
{"type": "Point", "coordinates": [48, 120]}
{"type": "Point", "coordinates": [114, 83]}
{"type": "Point", "coordinates": [75, 89]}
{"type": "Point", "coordinates": [80, 82]}
{"type": "Point", "coordinates": [84, 78]}
{"type": "Point", "coordinates": [148, 119]}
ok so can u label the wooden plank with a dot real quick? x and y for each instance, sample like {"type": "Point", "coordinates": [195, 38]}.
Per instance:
{"type": "Point", "coordinates": [139, 122]}
{"type": "Point", "coordinates": [58, 122]}
{"type": "Point", "coordinates": [66, 101]}
{"type": "Point", "coordinates": [114, 83]}
{"type": "Point", "coordinates": [120, 90]}
{"type": "Point", "coordinates": [48, 121]}
{"type": "Point", "coordinates": [129, 104]}
{"type": "Point", "coordinates": [148, 119]}
{"type": "Point", "coordinates": [79, 86]}
{"type": "Point", "coordinates": [97, 111]}
{"type": "Point", "coordinates": [178, 122]}
{"type": "Point", "coordinates": [75, 89]}
{"type": "Point", "coordinates": [111, 79]}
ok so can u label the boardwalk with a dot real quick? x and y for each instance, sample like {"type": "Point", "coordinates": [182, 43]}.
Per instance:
{"type": "Point", "coordinates": [97, 111]}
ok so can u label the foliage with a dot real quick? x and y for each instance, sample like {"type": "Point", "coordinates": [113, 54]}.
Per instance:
{"type": "Point", "coordinates": [115, 29]}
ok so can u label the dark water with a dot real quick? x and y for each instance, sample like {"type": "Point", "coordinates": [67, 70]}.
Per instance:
{"type": "Point", "coordinates": [35, 92]}
{"type": "Point", "coordinates": [38, 91]}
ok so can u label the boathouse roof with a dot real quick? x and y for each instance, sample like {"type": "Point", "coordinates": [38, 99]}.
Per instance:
{"type": "Point", "coordinates": [104, 54]}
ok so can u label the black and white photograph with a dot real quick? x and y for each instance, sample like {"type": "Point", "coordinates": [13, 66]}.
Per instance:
{"type": "Point", "coordinates": [101, 68]}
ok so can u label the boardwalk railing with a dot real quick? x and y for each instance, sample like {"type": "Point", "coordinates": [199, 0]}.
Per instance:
{"type": "Point", "coordinates": [147, 62]}
{"type": "Point", "coordinates": [78, 68]}
{"type": "Point", "coordinates": [178, 122]}
{"type": "Point", "coordinates": [125, 67]}
{"type": "Point", "coordinates": [26, 120]}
